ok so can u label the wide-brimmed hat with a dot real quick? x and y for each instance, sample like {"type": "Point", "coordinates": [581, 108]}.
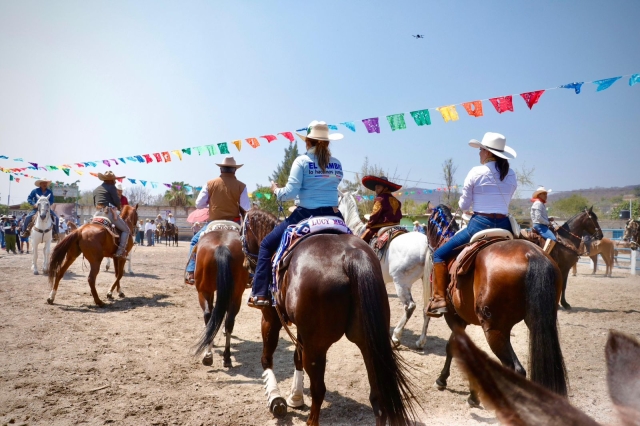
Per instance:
{"type": "Point", "coordinates": [370, 182]}
{"type": "Point", "coordinates": [496, 143]}
{"type": "Point", "coordinates": [39, 181]}
{"type": "Point", "coordinates": [109, 175]}
{"type": "Point", "coordinates": [319, 130]}
{"type": "Point", "coordinates": [539, 191]}
{"type": "Point", "coordinates": [229, 162]}
{"type": "Point", "coordinates": [415, 222]}
{"type": "Point", "coordinates": [148, 220]}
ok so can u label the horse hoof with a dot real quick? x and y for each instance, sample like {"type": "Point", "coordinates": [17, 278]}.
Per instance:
{"type": "Point", "coordinates": [420, 344]}
{"type": "Point", "coordinates": [566, 306]}
{"type": "Point", "coordinates": [121, 295]}
{"type": "Point", "coordinates": [100, 304]}
{"type": "Point", "coordinates": [208, 360]}
{"type": "Point", "coordinates": [441, 385]}
{"type": "Point", "coordinates": [473, 403]}
{"type": "Point", "coordinates": [296, 401]}
{"type": "Point", "coordinates": [395, 342]}
{"type": "Point", "coordinates": [227, 364]}
{"type": "Point", "coordinates": [35, 273]}
{"type": "Point", "coordinates": [109, 296]}
{"type": "Point", "coordinates": [278, 407]}
{"type": "Point", "coordinates": [49, 300]}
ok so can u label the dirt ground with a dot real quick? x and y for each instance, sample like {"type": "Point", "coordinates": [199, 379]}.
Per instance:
{"type": "Point", "coordinates": [132, 363]}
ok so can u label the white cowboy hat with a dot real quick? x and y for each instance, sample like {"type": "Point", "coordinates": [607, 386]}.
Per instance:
{"type": "Point", "coordinates": [170, 214]}
{"type": "Point", "coordinates": [539, 191]}
{"type": "Point", "coordinates": [416, 223]}
{"type": "Point", "coordinates": [39, 181]}
{"type": "Point", "coordinates": [496, 143]}
{"type": "Point", "coordinates": [319, 131]}
{"type": "Point", "coordinates": [229, 162]}
{"type": "Point", "coordinates": [119, 186]}
{"type": "Point", "coordinates": [292, 208]}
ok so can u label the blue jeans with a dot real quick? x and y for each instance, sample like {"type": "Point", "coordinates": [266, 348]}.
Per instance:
{"type": "Point", "coordinates": [191, 266]}
{"type": "Point", "coordinates": [544, 231]}
{"type": "Point", "coordinates": [32, 213]}
{"type": "Point", "coordinates": [456, 243]}
{"type": "Point", "coordinates": [271, 242]}
{"type": "Point", "coordinates": [2, 239]}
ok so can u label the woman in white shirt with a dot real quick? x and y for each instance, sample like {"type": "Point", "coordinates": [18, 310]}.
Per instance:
{"type": "Point", "coordinates": [488, 188]}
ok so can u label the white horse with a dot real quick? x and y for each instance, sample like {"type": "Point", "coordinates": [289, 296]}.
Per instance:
{"type": "Point", "coordinates": [129, 270]}
{"type": "Point", "coordinates": [41, 233]}
{"type": "Point", "coordinates": [403, 264]}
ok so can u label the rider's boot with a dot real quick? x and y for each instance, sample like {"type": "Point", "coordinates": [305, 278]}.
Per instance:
{"type": "Point", "coordinates": [438, 304]}
{"type": "Point", "coordinates": [124, 239]}
{"type": "Point", "coordinates": [27, 232]}
{"type": "Point", "coordinates": [548, 246]}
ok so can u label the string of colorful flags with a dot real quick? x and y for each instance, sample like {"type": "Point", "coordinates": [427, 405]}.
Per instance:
{"type": "Point", "coordinates": [396, 122]}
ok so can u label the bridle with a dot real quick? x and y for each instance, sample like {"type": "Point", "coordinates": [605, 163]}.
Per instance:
{"type": "Point", "coordinates": [46, 212]}
{"type": "Point", "coordinates": [565, 228]}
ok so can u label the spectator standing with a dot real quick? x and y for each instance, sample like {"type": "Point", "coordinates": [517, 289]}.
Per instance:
{"type": "Point", "coordinates": [10, 231]}
{"type": "Point", "coordinates": [2, 221]}
{"type": "Point", "coordinates": [196, 227]}
{"type": "Point", "coordinates": [140, 233]}
{"type": "Point", "coordinates": [417, 227]}
{"type": "Point", "coordinates": [148, 230]}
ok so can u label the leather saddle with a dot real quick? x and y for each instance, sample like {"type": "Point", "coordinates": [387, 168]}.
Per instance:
{"type": "Point", "coordinates": [106, 224]}
{"type": "Point", "coordinates": [221, 225]}
{"type": "Point", "coordinates": [380, 242]}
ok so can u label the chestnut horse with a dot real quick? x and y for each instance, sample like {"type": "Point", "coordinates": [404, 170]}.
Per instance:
{"type": "Point", "coordinates": [511, 281]}
{"type": "Point", "coordinates": [95, 243]}
{"type": "Point", "coordinates": [604, 248]}
{"type": "Point", "coordinates": [219, 267]}
{"type": "Point", "coordinates": [333, 287]}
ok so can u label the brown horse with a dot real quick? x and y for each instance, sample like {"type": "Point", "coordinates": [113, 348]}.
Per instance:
{"type": "Point", "coordinates": [511, 281]}
{"type": "Point", "coordinates": [95, 243]}
{"type": "Point", "coordinates": [566, 251]}
{"type": "Point", "coordinates": [519, 402]}
{"type": "Point", "coordinates": [604, 248]}
{"type": "Point", "coordinates": [632, 232]}
{"type": "Point", "coordinates": [333, 287]}
{"type": "Point", "coordinates": [170, 234]}
{"type": "Point", "coordinates": [219, 267]}
{"type": "Point", "coordinates": [71, 226]}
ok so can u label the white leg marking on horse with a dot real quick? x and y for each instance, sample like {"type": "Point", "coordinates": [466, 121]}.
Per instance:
{"type": "Point", "coordinates": [270, 385]}
{"type": "Point", "coordinates": [52, 295]}
{"type": "Point", "coordinates": [296, 398]}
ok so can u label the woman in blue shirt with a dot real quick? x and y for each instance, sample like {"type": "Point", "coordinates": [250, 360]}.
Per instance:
{"type": "Point", "coordinates": [314, 179]}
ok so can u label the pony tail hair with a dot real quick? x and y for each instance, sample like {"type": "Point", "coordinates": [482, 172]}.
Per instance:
{"type": "Point", "coordinates": [502, 166]}
{"type": "Point", "coordinates": [322, 152]}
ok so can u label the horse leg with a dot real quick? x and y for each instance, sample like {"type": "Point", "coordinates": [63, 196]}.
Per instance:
{"type": "Point", "coordinates": [575, 269]}
{"type": "Point", "coordinates": [314, 361]}
{"type": "Point", "coordinates": [116, 264]}
{"type": "Point", "coordinates": [594, 259]}
{"type": "Point", "coordinates": [296, 397]}
{"type": "Point", "coordinates": [563, 300]}
{"type": "Point", "coordinates": [270, 333]}
{"type": "Point", "coordinates": [93, 273]}
{"type": "Point", "coordinates": [452, 322]}
{"type": "Point", "coordinates": [45, 256]}
{"type": "Point", "coordinates": [118, 268]}
{"type": "Point", "coordinates": [206, 303]}
{"type": "Point", "coordinates": [130, 271]}
{"type": "Point", "coordinates": [70, 257]}
{"type": "Point", "coordinates": [34, 257]}
{"type": "Point", "coordinates": [403, 290]}
{"type": "Point", "coordinates": [500, 344]}
{"type": "Point", "coordinates": [107, 265]}
{"type": "Point", "coordinates": [228, 327]}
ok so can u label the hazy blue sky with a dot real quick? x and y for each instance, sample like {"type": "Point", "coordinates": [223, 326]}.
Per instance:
{"type": "Point", "coordinates": [88, 80]}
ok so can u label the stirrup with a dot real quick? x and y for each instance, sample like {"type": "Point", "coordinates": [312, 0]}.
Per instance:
{"type": "Point", "coordinates": [254, 302]}
{"type": "Point", "coordinates": [188, 279]}
{"type": "Point", "coordinates": [435, 312]}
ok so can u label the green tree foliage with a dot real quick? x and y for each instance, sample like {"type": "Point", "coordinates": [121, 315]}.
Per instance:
{"type": "Point", "coordinates": [567, 207]}
{"type": "Point", "coordinates": [177, 195]}
{"type": "Point", "coordinates": [264, 199]}
{"type": "Point", "coordinates": [635, 209]}
{"type": "Point", "coordinates": [355, 185]}
{"type": "Point", "coordinates": [4, 209]}
{"type": "Point", "coordinates": [451, 195]}
{"type": "Point", "coordinates": [86, 198]}
{"type": "Point", "coordinates": [281, 174]}
{"type": "Point", "coordinates": [25, 206]}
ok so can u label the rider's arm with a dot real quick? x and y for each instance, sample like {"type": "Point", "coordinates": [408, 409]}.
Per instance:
{"type": "Point", "coordinates": [203, 198]}
{"type": "Point", "coordinates": [292, 188]}
{"type": "Point", "coordinates": [245, 203]}
{"type": "Point", "coordinates": [32, 198]}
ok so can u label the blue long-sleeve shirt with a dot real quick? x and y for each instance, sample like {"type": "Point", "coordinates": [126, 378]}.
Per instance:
{"type": "Point", "coordinates": [314, 187]}
{"type": "Point", "coordinates": [33, 196]}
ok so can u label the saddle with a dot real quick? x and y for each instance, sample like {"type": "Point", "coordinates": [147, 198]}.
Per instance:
{"type": "Point", "coordinates": [534, 237]}
{"type": "Point", "coordinates": [380, 242]}
{"type": "Point", "coordinates": [221, 225]}
{"type": "Point", "coordinates": [106, 224]}
{"type": "Point", "coordinates": [465, 261]}
{"type": "Point", "coordinates": [295, 234]}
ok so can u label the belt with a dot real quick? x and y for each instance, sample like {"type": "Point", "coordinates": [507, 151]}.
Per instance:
{"type": "Point", "coordinates": [492, 215]}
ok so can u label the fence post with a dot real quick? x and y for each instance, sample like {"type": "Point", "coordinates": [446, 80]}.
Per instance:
{"type": "Point", "coordinates": [633, 261]}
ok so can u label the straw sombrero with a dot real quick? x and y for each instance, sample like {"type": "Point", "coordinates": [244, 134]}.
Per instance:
{"type": "Point", "coordinates": [109, 175]}
{"type": "Point", "coordinates": [39, 181]}
{"type": "Point", "coordinates": [539, 191]}
{"type": "Point", "coordinates": [229, 162]}
{"type": "Point", "coordinates": [319, 130]}
{"type": "Point", "coordinates": [370, 182]}
{"type": "Point", "coordinates": [496, 143]}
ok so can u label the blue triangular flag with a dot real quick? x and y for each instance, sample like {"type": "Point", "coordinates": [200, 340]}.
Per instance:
{"type": "Point", "coordinates": [605, 83]}
{"type": "Point", "coordinates": [575, 86]}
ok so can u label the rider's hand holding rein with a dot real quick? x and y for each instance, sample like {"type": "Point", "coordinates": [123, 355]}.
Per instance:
{"type": "Point", "coordinates": [274, 186]}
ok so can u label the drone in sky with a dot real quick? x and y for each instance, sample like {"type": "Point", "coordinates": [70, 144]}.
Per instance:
{"type": "Point", "coordinates": [416, 36]}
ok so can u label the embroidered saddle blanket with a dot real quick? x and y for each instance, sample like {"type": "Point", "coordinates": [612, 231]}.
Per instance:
{"type": "Point", "coordinates": [380, 242]}
{"type": "Point", "coordinates": [221, 225]}
{"type": "Point", "coordinates": [106, 224]}
{"type": "Point", "coordinates": [294, 234]}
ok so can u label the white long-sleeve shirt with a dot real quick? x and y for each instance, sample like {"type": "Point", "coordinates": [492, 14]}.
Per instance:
{"type": "Point", "coordinates": [149, 226]}
{"type": "Point", "coordinates": [484, 190]}
{"type": "Point", "coordinates": [539, 213]}
{"type": "Point", "coordinates": [203, 198]}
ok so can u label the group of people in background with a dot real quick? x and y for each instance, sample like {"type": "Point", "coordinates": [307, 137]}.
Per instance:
{"type": "Point", "coordinates": [10, 238]}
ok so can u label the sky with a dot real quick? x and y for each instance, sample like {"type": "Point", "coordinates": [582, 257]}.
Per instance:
{"type": "Point", "coordinates": [85, 81]}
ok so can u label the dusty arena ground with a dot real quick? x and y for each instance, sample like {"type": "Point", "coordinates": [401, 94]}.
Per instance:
{"type": "Point", "coordinates": [131, 362]}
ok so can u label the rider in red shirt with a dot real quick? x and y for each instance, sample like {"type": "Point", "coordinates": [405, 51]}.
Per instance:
{"type": "Point", "coordinates": [123, 199]}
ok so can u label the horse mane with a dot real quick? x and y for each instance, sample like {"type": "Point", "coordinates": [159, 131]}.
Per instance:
{"type": "Point", "coordinates": [441, 226]}
{"type": "Point", "coordinates": [565, 225]}
{"type": "Point", "coordinates": [262, 222]}
{"type": "Point", "coordinates": [129, 214]}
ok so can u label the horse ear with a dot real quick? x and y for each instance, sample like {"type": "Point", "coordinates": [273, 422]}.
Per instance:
{"type": "Point", "coordinates": [517, 401]}
{"type": "Point", "coordinates": [591, 209]}
{"type": "Point", "coordinates": [623, 375]}
{"type": "Point", "coordinates": [136, 207]}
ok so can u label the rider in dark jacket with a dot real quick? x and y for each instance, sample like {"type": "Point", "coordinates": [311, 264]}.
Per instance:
{"type": "Point", "coordinates": [107, 200]}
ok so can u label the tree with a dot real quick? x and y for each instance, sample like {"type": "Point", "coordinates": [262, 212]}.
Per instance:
{"type": "Point", "coordinates": [448, 175]}
{"type": "Point", "coordinates": [86, 198]}
{"type": "Point", "coordinates": [25, 206]}
{"type": "Point", "coordinates": [567, 207]}
{"type": "Point", "coordinates": [177, 195]}
{"type": "Point", "coordinates": [281, 174]}
{"type": "Point", "coordinates": [138, 195]}
{"type": "Point", "coordinates": [266, 200]}
{"type": "Point", "coordinates": [355, 185]}
{"type": "Point", "coordinates": [635, 209]}
{"type": "Point", "coordinates": [525, 179]}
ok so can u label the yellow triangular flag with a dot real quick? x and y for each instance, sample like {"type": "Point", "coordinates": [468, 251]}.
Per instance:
{"type": "Point", "coordinates": [178, 153]}
{"type": "Point", "coordinates": [78, 172]}
{"type": "Point", "coordinates": [238, 144]}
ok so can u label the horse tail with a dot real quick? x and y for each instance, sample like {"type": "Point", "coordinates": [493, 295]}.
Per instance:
{"type": "Point", "coordinates": [545, 355]}
{"type": "Point", "coordinates": [59, 253]}
{"type": "Point", "coordinates": [389, 372]}
{"type": "Point", "coordinates": [224, 286]}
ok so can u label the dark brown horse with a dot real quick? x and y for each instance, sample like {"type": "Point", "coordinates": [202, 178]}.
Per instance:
{"type": "Point", "coordinates": [566, 252]}
{"type": "Point", "coordinates": [170, 234]}
{"type": "Point", "coordinates": [511, 281]}
{"type": "Point", "coordinates": [333, 287]}
{"type": "Point", "coordinates": [95, 243]}
{"type": "Point", "coordinates": [219, 267]}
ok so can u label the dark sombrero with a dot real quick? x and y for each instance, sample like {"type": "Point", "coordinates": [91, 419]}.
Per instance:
{"type": "Point", "coordinates": [370, 182]}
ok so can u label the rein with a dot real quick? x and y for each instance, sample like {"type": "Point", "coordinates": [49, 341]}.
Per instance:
{"type": "Point", "coordinates": [252, 258]}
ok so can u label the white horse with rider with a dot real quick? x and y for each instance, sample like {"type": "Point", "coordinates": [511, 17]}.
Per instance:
{"type": "Point", "coordinates": [41, 233]}
{"type": "Point", "coordinates": [403, 264]}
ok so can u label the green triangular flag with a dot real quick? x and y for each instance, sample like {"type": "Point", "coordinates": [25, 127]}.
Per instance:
{"type": "Point", "coordinates": [66, 171]}
{"type": "Point", "coordinates": [223, 148]}
{"type": "Point", "coordinates": [10, 177]}
{"type": "Point", "coordinates": [211, 149]}
{"type": "Point", "coordinates": [186, 151]}
{"type": "Point", "coordinates": [396, 121]}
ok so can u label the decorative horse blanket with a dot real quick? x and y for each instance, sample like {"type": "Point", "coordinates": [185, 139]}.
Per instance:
{"type": "Point", "coordinates": [294, 234]}
{"type": "Point", "coordinates": [380, 242]}
{"type": "Point", "coordinates": [221, 225]}
{"type": "Point", "coordinates": [105, 222]}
